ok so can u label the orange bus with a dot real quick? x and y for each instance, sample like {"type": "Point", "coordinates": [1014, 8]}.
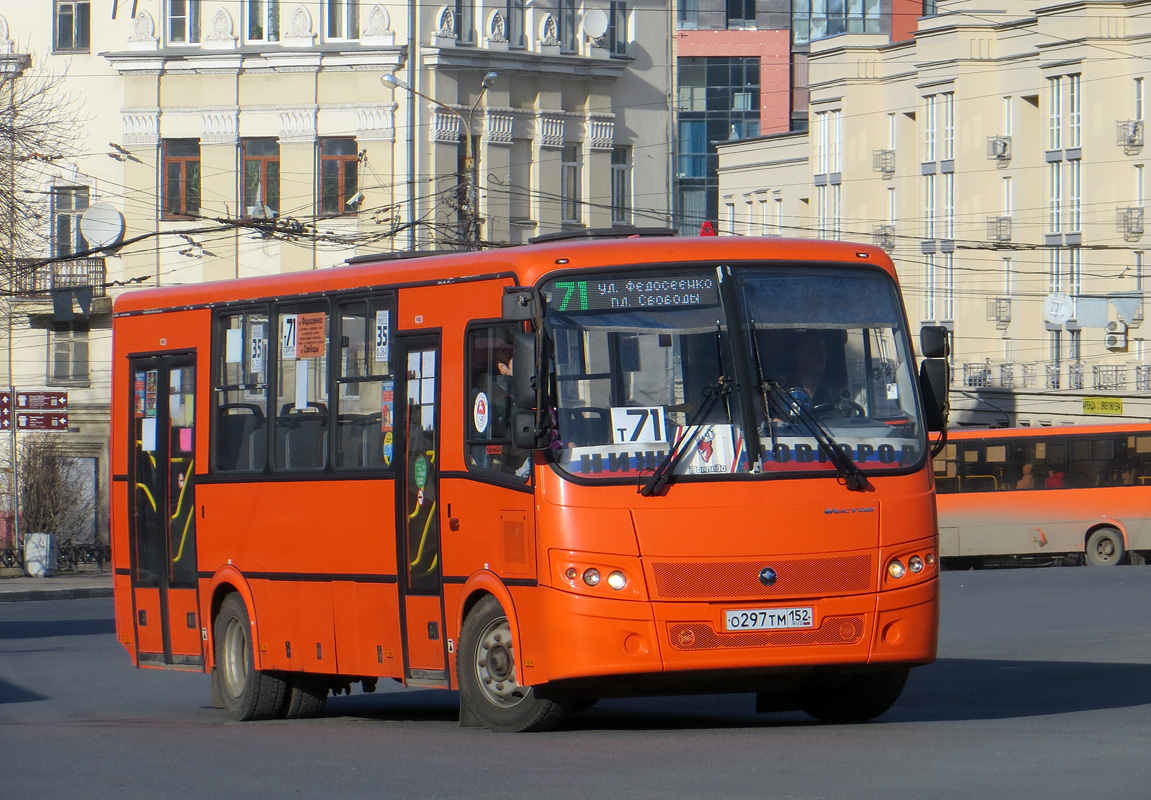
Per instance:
{"type": "Point", "coordinates": [1079, 494]}
{"type": "Point", "coordinates": [540, 475]}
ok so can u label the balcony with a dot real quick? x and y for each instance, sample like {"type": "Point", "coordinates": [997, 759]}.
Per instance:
{"type": "Point", "coordinates": [36, 282]}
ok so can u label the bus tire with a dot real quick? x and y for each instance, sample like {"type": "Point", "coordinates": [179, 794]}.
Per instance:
{"type": "Point", "coordinates": [490, 694]}
{"type": "Point", "coordinates": [247, 693]}
{"type": "Point", "coordinates": [1105, 548]}
{"type": "Point", "coordinates": [854, 697]}
{"type": "Point", "coordinates": [306, 696]}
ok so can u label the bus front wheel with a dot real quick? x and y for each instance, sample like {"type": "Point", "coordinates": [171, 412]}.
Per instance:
{"type": "Point", "coordinates": [247, 693]}
{"type": "Point", "coordinates": [1105, 548]}
{"type": "Point", "coordinates": [490, 693]}
{"type": "Point", "coordinates": [854, 697]}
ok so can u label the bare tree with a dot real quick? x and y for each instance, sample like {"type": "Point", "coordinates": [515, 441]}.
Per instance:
{"type": "Point", "coordinates": [53, 499]}
{"type": "Point", "coordinates": [39, 127]}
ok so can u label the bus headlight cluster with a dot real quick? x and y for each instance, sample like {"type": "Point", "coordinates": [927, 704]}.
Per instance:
{"type": "Point", "coordinates": [592, 577]}
{"type": "Point", "coordinates": [915, 564]}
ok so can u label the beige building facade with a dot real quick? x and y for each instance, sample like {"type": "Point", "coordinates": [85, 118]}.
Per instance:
{"type": "Point", "coordinates": [248, 137]}
{"type": "Point", "coordinates": [999, 156]}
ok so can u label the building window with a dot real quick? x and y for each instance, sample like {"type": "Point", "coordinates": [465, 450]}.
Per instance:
{"type": "Point", "coordinates": [929, 278]}
{"type": "Point", "coordinates": [73, 25]}
{"type": "Point", "coordinates": [929, 208]}
{"type": "Point", "coordinates": [1074, 111]}
{"type": "Point", "coordinates": [687, 14]}
{"type": "Point", "coordinates": [568, 42]}
{"type": "Point", "coordinates": [1008, 117]}
{"type": "Point", "coordinates": [617, 29]}
{"type": "Point", "coordinates": [515, 30]}
{"type": "Point", "coordinates": [339, 175]}
{"type": "Point", "coordinates": [342, 19]}
{"type": "Point", "coordinates": [1054, 272]}
{"type": "Point", "coordinates": [930, 121]}
{"type": "Point", "coordinates": [68, 353]}
{"type": "Point", "coordinates": [1055, 200]}
{"type": "Point", "coordinates": [466, 21]}
{"type": "Point", "coordinates": [948, 309]}
{"type": "Point", "coordinates": [1008, 276]}
{"type": "Point", "coordinates": [68, 204]}
{"type": "Point", "coordinates": [181, 177]}
{"type": "Point", "coordinates": [1139, 270]}
{"type": "Point", "coordinates": [261, 177]}
{"type": "Point", "coordinates": [1138, 98]}
{"type": "Point", "coordinates": [818, 19]}
{"type": "Point", "coordinates": [621, 185]}
{"type": "Point", "coordinates": [740, 14]}
{"type": "Point", "coordinates": [263, 20]}
{"type": "Point", "coordinates": [570, 184]}
{"type": "Point", "coordinates": [1075, 271]}
{"type": "Point", "coordinates": [947, 110]}
{"type": "Point", "coordinates": [1055, 113]}
{"type": "Point", "coordinates": [1075, 195]}
{"type": "Point", "coordinates": [948, 206]}
{"type": "Point", "coordinates": [183, 21]}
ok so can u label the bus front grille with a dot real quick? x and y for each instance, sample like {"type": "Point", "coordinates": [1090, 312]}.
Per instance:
{"type": "Point", "coordinates": [731, 580]}
{"type": "Point", "coordinates": [702, 636]}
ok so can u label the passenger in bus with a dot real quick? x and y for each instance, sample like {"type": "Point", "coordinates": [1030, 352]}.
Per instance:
{"type": "Point", "coordinates": [1054, 480]}
{"type": "Point", "coordinates": [1028, 479]}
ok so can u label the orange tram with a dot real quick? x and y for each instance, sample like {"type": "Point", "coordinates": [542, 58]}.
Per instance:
{"type": "Point", "coordinates": [539, 475]}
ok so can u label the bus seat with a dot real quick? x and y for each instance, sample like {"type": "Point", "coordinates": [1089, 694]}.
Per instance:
{"type": "Point", "coordinates": [305, 442]}
{"type": "Point", "coordinates": [236, 428]}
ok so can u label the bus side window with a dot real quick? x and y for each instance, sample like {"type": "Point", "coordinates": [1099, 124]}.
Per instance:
{"type": "Point", "coordinates": [947, 470]}
{"type": "Point", "coordinates": [365, 402]}
{"type": "Point", "coordinates": [301, 436]}
{"type": "Point", "coordinates": [491, 402]}
{"type": "Point", "coordinates": [240, 378]}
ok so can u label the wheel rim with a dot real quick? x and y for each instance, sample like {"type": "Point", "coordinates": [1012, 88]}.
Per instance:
{"type": "Point", "coordinates": [496, 665]}
{"type": "Point", "coordinates": [1105, 548]}
{"type": "Point", "coordinates": [235, 666]}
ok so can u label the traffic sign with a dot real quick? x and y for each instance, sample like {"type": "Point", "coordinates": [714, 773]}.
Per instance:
{"type": "Point", "coordinates": [34, 411]}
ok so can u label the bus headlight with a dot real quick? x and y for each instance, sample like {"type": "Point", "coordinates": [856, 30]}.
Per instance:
{"type": "Point", "coordinates": [591, 576]}
{"type": "Point", "coordinates": [896, 569]}
{"type": "Point", "coordinates": [915, 564]}
{"type": "Point", "coordinates": [617, 580]}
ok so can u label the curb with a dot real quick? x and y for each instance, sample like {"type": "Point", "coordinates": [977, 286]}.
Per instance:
{"type": "Point", "coordinates": [63, 593]}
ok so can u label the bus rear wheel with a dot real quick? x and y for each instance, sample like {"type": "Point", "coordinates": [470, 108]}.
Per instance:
{"type": "Point", "coordinates": [490, 693]}
{"type": "Point", "coordinates": [306, 696]}
{"type": "Point", "coordinates": [854, 697]}
{"type": "Point", "coordinates": [1105, 548]}
{"type": "Point", "coordinates": [247, 693]}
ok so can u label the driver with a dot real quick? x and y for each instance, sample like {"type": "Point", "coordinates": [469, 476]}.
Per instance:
{"type": "Point", "coordinates": [806, 381]}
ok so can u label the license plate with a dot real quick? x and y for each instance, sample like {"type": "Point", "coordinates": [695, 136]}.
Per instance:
{"type": "Point", "coordinates": [768, 619]}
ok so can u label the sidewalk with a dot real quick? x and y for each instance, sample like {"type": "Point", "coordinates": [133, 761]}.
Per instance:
{"type": "Point", "coordinates": [15, 586]}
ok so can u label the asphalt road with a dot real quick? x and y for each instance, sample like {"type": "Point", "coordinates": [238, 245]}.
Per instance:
{"type": "Point", "coordinates": [1042, 689]}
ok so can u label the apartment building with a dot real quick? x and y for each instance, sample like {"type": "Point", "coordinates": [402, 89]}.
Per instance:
{"type": "Point", "coordinates": [242, 137]}
{"type": "Point", "coordinates": [742, 72]}
{"type": "Point", "coordinates": [998, 156]}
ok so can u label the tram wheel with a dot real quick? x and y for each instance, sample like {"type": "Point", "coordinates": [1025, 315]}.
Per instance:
{"type": "Point", "coordinates": [247, 692]}
{"type": "Point", "coordinates": [1105, 548]}
{"type": "Point", "coordinates": [854, 697]}
{"type": "Point", "coordinates": [490, 693]}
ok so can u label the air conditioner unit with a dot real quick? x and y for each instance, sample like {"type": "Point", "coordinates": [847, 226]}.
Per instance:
{"type": "Point", "coordinates": [1117, 326]}
{"type": "Point", "coordinates": [1115, 342]}
{"type": "Point", "coordinates": [999, 148]}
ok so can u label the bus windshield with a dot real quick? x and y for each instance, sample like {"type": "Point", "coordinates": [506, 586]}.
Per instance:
{"type": "Point", "coordinates": [645, 362]}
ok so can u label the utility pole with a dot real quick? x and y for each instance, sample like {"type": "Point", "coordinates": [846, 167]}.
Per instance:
{"type": "Point", "coordinates": [471, 159]}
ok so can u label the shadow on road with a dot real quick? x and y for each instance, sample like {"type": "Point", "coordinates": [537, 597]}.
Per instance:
{"type": "Point", "coordinates": [60, 627]}
{"type": "Point", "coordinates": [11, 693]}
{"type": "Point", "coordinates": [949, 690]}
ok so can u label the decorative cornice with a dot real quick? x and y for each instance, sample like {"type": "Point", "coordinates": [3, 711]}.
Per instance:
{"type": "Point", "coordinates": [220, 125]}
{"type": "Point", "coordinates": [376, 123]}
{"type": "Point", "coordinates": [298, 124]}
{"type": "Point", "coordinates": [141, 126]}
{"type": "Point", "coordinates": [600, 130]}
{"type": "Point", "coordinates": [550, 128]}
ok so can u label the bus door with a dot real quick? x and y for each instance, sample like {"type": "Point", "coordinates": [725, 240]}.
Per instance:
{"type": "Point", "coordinates": [163, 521]}
{"type": "Point", "coordinates": [420, 564]}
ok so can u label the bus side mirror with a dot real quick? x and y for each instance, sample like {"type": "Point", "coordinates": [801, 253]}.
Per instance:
{"type": "Point", "coordinates": [933, 387]}
{"type": "Point", "coordinates": [524, 370]}
{"type": "Point", "coordinates": [521, 304]}
{"type": "Point", "coordinates": [527, 431]}
{"type": "Point", "coordinates": [933, 341]}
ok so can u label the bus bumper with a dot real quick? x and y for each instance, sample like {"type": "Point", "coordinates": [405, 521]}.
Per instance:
{"type": "Point", "coordinates": [603, 637]}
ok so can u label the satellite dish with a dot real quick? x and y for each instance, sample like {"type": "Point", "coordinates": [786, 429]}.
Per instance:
{"type": "Point", "coordinates": [102, 226]}
{"type": "Point", "coordinates": [595, 23]}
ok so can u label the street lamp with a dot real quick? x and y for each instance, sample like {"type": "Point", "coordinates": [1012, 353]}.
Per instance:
{"type": "Point", "coordinates": [471, 160]}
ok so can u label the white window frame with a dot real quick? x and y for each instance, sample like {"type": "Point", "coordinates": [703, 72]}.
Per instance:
{"type": "Point", "coordinates": [929, 221]}
{"type": "Point", "coordinates": [930, 129]}
{"type": "Point", "coordinates": [1055, 197]}
{"type": "Point", "coordinates": [948, 125]}
{"type": "Point", "coordinates": [1074, 111]}
{"type": "Point", "coordinates": [570, 184]}
{"type": "Point", "coordinates": [341, 20]}
{"type": "Point", "coordinates": [267, 14]}
{"type": "Point", "coordinates": [1074, 195]}
{"type": "Point", "coordinates": [1055, 113]}
{"type": "Point", "coordinates": [191, 20]}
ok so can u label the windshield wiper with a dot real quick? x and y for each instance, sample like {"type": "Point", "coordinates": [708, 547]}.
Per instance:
{"type": "Point", "coordinates": [655, 482]}
{"type": "Point", "coordinates": [845, 469]}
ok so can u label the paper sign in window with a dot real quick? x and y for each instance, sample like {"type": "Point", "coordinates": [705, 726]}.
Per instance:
{"type": "Point", "coordinates": [234, 345]}
{"type": "Point", "coordinates": [311, 337]}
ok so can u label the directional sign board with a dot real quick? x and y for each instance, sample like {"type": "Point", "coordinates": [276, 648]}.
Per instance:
{"type": "Point", "coordinates": [34, 411]}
